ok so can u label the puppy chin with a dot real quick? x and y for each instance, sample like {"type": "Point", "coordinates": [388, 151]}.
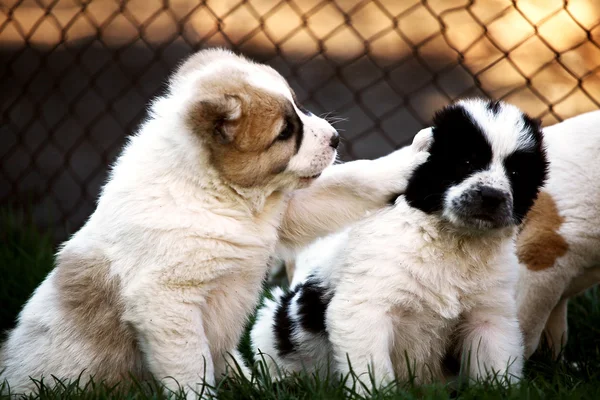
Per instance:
{"type": "Point", "coordinates": [306, 180]}
{"type": "Point", "coordinates": [293, 181]}
{"type": "Point", "coordinates": [474, 224]}
{"type": "Point", "coordinates": [307, 177]}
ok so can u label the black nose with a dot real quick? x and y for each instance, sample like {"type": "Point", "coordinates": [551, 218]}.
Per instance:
{"type": "Point", "coordinates": [491, 198]}
{"type": "Point", "coordinates": [335, 140]}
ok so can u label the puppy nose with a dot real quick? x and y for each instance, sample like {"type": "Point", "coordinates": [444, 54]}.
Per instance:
{"type": "Point", "coordinates": [491, 198]}
{"type": "Point", "coordinates": [335, 140]}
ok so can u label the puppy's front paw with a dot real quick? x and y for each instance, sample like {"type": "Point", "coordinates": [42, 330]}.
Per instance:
{"type": "Point", "coordinates": [398, 167]}
{"type": "Point", "coordinates": [422, 140]}
{"type": "Point", "coordinates": [406, 159]}
{"type": "Point", "coordinates": [418, 159]}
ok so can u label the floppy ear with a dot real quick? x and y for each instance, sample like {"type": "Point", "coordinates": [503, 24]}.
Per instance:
{"type": "Point", "coordinates": [222, 114]}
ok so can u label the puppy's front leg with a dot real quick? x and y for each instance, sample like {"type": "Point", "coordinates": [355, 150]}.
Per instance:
{"type": "Point", "coordinates": [361, 335]}
{"type": "Point", "coordinates": [538, 293]}
{"type": "Point", "coordinates": [232, 364]}
{"type": "Point", "coordinates": [492, 342]}
{"type": "Point", "coordinates": [346, 192]}
{"type": "Point", "coordinates": [173, 341]}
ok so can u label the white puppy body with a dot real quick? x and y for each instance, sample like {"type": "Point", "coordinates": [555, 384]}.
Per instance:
{"type": "Point", "coordinates": [162, 277]}
{"type": "Point", "coordinates": [381, 308]}
{"type": "Point", "coordinates": [409, 310]}
{"type": "Point", "coordinates": [175, 237]}
{"type": "Point", "coordinates": [559, 246]}
{"type": "Point", "coordinates": [430, 276]}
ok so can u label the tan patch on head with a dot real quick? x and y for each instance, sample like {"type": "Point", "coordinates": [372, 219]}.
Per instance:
{"type": "Point", "coordinates": [539, 244]}
{"type": "Point", "coordinates": [91, 299]}
{"type": "Point", "coordinates": [240, 124]}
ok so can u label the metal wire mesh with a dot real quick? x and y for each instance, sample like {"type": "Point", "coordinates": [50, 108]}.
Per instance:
{"type": "Point", "coordinates": [77, 75]}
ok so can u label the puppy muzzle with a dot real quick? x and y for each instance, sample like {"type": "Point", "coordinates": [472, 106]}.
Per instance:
{"type": "Point", "coordinates": [484, 207]}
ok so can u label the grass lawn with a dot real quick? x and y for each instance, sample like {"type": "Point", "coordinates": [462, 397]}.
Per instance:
{"type": "Point", "coordinates": [26, 257]}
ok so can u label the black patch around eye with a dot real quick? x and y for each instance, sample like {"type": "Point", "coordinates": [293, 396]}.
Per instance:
{"type": "Point", "coordinates": [312, 306]}
{"type": "Point", "coordinates": [459, 149]}
{"type": "Point", "coordinates": [527, 171]}
{"type": "Point", "coordinates": [283, 326]}
{"type": "Point", "coordinates": [292, 126]}
{"type": "Point", "coordinates": [299, 132]}
{"type": "Point", "coordinates": [287, 131]}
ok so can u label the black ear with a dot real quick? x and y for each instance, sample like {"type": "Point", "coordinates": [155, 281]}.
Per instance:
{"type": "Point", "coordinates": [534, 125]}
{"type": "Point", "coordinates": [221, 114]}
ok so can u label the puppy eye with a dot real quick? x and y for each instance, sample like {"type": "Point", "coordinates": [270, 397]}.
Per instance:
{"type": "Point", "coordinates": [470, 159]}
{"type": "Point", "coordinates": [287, 132]}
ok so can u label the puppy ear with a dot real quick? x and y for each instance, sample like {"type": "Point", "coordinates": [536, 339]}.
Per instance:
{"type": "Point", "coordinates": [534, 123]}
{"type": "Point", "coordinates": [222, 114]}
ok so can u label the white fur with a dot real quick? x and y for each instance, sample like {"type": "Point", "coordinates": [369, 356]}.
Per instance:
{"type": "Point", "coordinates": [398, 279]}
{"type": "Point", "coordinates": [190, 250]}
{"type": "Point", "coordinates": [495, 125]}
{"type": "Point", "coordinates": [403, 280]}
{"type": "Point", "coordinates": [573, 148]}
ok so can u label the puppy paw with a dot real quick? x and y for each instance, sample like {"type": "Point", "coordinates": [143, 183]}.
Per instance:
{"type": "Point", "coordinates": [418, 159]}
{"type": "Point", "coordinates": [422, 140]}
{"type": "Point", "coordinates": [396, 168]}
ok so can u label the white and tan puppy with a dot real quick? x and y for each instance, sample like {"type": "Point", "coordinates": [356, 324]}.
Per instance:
{"type": "Point", "coordinates": [559, 244]}
{"type": "Point", "coordinates": [433, 274]}
{"type": "Point", "coordinates": [162, 277]}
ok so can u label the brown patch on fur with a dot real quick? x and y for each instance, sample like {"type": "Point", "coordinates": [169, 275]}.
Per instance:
{"type": "Point", "coordinates": [539, 244]}
{"type": "Point", "coordinates": [246, 151]}
{"type": "Point", "coordinates": [240, 123]}
{"type": "Point", "coordinates": [91, 299]}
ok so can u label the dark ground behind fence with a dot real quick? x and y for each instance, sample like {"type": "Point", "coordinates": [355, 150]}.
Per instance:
{"type": "Point", "coordinates": [76, 76]}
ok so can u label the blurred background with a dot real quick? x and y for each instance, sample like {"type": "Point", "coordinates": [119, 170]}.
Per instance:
{"type": "Point", "coordinates": [76, 76]}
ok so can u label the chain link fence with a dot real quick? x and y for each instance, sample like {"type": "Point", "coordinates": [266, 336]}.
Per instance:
{"type": "Point", "coordinates": [77, 76]}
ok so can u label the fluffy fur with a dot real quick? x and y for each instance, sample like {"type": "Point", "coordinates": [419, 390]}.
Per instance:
{"type": "Point", "coordinates": [559, 244]}
{"type": "Point", "coordinates": [433, 275]}
{"type": "Point", "coordinates": [162, 277]}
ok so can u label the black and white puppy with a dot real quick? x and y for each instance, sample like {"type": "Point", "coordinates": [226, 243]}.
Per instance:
{"type": "Point", "coordinates": [431, 275]}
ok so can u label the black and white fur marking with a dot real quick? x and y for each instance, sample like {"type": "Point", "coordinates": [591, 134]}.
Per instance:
{"type": "Point", "coordinates": [434, 274]}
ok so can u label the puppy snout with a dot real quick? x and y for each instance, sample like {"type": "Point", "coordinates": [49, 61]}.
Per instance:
{"type": "Point", "coordinates": [491, 198]}
{"type": "Point", "coordinates": [484, 205]}
{"type": "Point", "coordinates": [335, 140]}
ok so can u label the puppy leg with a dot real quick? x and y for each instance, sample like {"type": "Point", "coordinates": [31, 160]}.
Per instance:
{"type": "Point", "coordinates": [173, 341]}
{"type": "Point", "coordinates": [232, 364]}
{"type": "Point", "coordinates": [556, 328]}
{"type": "Point", "coordinates": [492, 342]}
{"type": "Point", "coordinates": [361, 335]}
{"type": "Point", "coordinates": [538, 293]}
{"type": "Point", "coordinates": [346, 192]}
{"type": "Point", "coordinates": [290, 267]}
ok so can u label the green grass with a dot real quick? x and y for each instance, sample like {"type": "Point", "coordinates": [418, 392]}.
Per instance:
{"type": "Point", "coordinates": [26, 256]}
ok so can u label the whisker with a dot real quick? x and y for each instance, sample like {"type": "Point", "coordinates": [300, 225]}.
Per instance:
{"type": "Point", "coordinates": [337, 119]}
